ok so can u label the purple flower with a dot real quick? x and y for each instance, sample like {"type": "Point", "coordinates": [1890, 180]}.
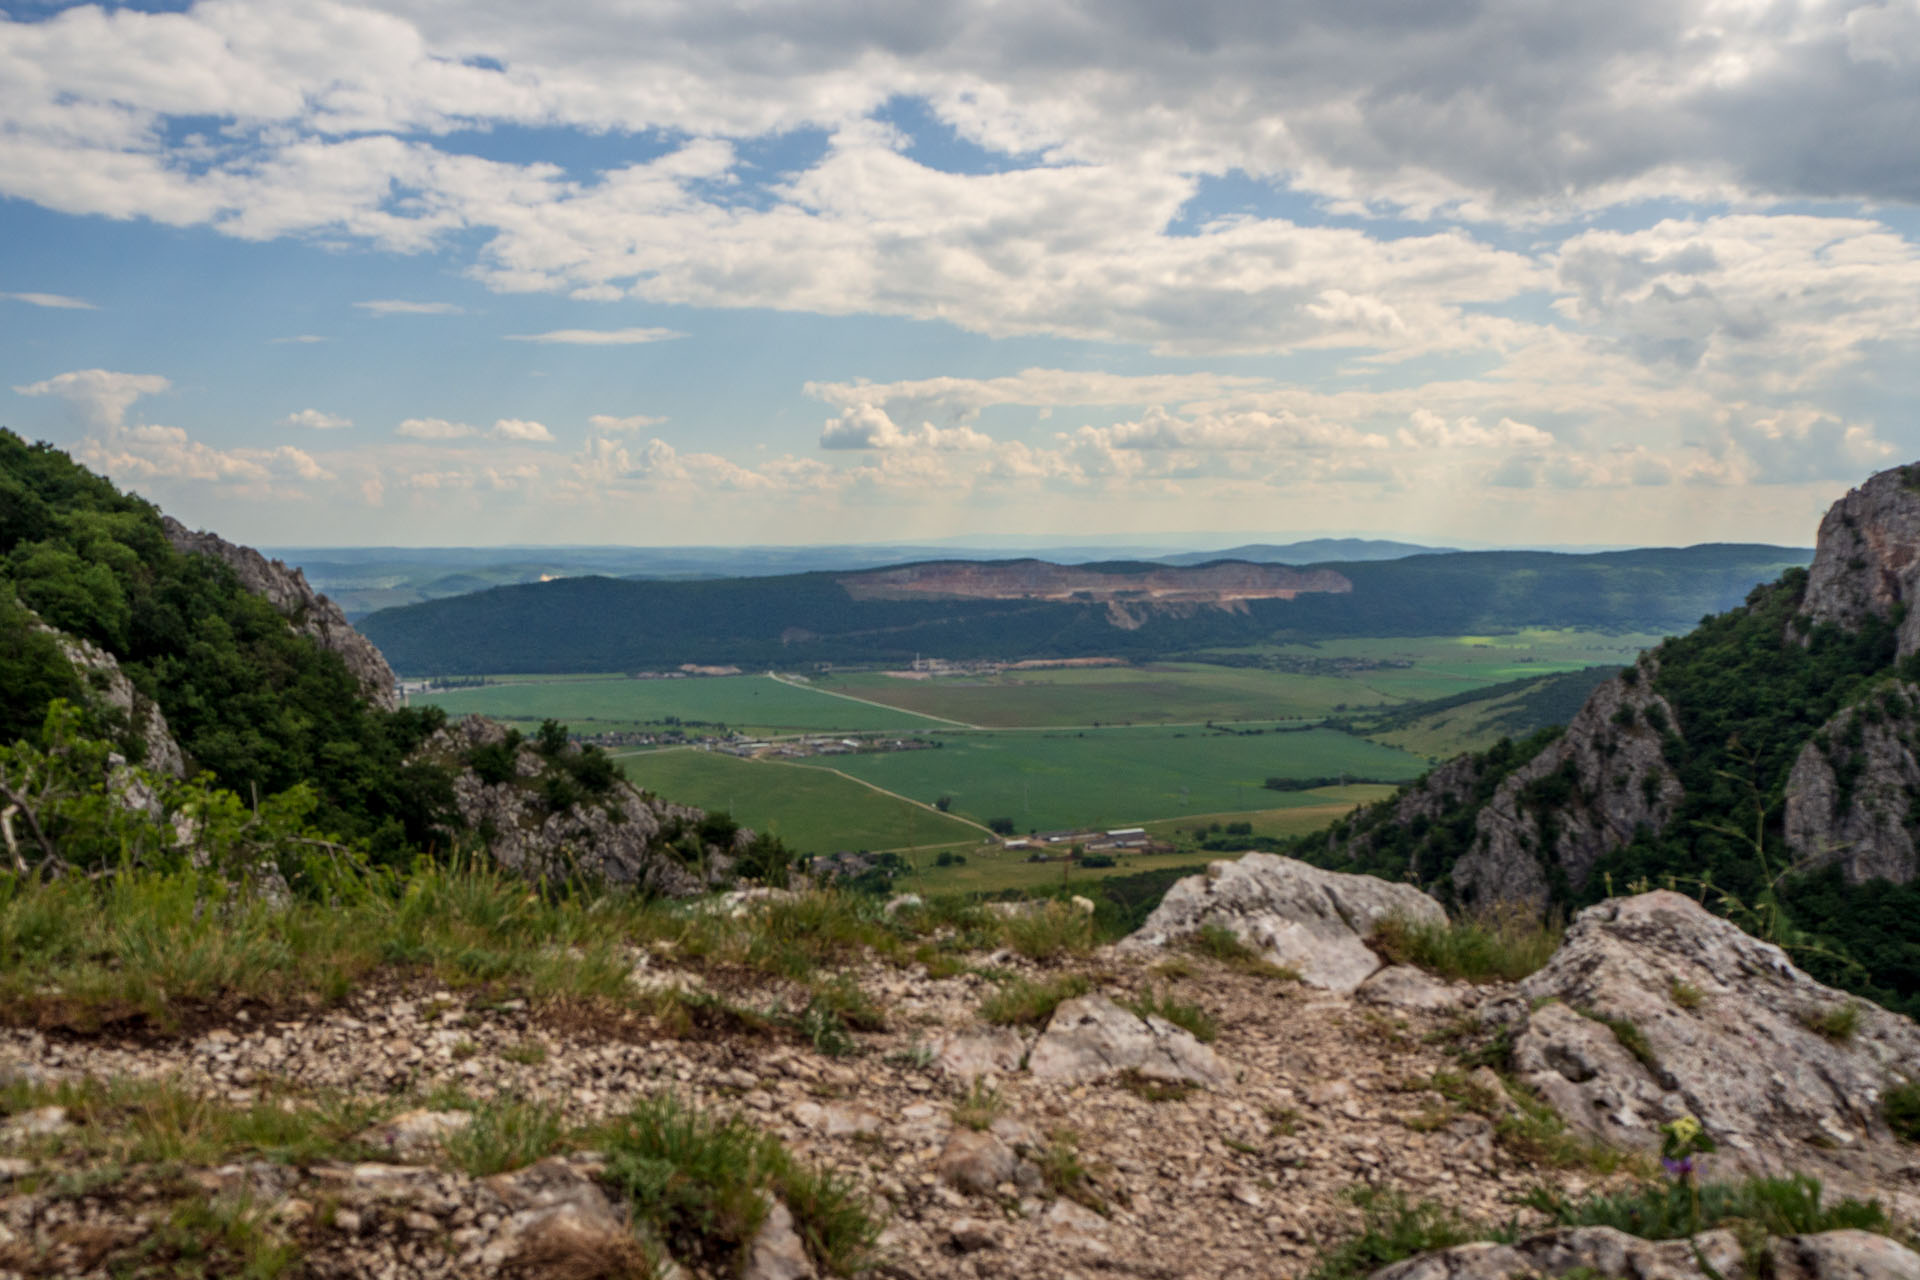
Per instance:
{"type": "Point", "coordinates": [1678, 1168]}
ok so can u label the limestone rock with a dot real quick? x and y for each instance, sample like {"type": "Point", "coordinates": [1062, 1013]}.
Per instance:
{"type": "Point", "coordinates": [1442, 787]}
{"type": "Point", "coordinates": [1867, 558]}
{"type": "Point", "coordinates": [112, 695]}
{"type": "Point", "coordinates": [975, 1162]}
{"type": "Point", "coordinates": [413, 1134]}
{"type": "Point", "coordinates": [1402, 986]}
{"type": "Point", "coordinates": [967, 1054]}
{"type": "Point", "coordinates": [1303, 918]}
{"type": "Point", "coordinates": [1594, 1253]}
{"type": "Point", "coordinates": [777, 1252]}
{"type": "Point", "coordinates": [1724, 1019]}
{"type": "Point", "coordinates": [1861, 824]}
{"type": "Point", "coordinates": [309, 612]}
{"type": "Point", "coordinates": [620, 839]}
{"type": "Point", "coordinates": [1091, 1038]}
{"type": "Point", "coordinates": [1615, 781]}
{"type": "Point", "coordinates": [1843, 1255]}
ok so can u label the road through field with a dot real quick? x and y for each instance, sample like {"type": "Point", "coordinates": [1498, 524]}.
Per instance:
{"type": "Point", "coordinates": [812, 688]}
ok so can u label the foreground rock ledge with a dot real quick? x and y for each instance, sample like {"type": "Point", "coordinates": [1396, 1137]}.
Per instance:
{"type": "Point", "coordinates": [1602, 1253]}
{"type": "Point", "coordinates": [1300, 917]}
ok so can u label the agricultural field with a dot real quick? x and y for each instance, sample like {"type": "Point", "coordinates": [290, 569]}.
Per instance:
{"type": "Point", "coordinates": [752, 704]}
{"type": "Point", "coordinates": [1301, 681]}
{"type": "Point", "coordinates": [996, 871]}
{"type": "Point", "coordinates": [812, 810]}
{"type": "Point", "coordinates": [1114, 777]}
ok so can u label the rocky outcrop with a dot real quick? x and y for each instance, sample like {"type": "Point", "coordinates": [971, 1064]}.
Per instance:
{"type": "Point", "coordinates": [1589, 793]}
{"type": "Point", "coordinates": [1867, 560]}
{"type": "Point", "coordinates": [311, 613]}
{"type": "Point", "coordinates": [1300, 917]}
{"type": "Point", "coordinates": [1655, 1008]}
{"type": "Point", "coordinates": [1442, 790]}
{"type": "Point", "coordinates": [622, 838]}
{"type": "Point", "coordinates": [1851, 795]}
{"type": "Point", "coordinates": [1092, 1038]}
{"type": "Point", "coordinates": [1602, 1253]}
{"type": "Point", "coordinates": [124, 707]}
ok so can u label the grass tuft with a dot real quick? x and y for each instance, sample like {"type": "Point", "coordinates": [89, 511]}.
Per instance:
{"type": "Point", "coordinates": [1052, 932]}
{"type": "Point", "coordinates": [1181, 1013]}
{"type": "Point", "coordinates": [1022, 1002]}
{"type": "Point", "coordinates": [1503, 947]}
{"type": "Point", "coordinates": [1393, 1228]}
{"type": "Point", "coordinates": [506, 1134]}
{"type": "Point", "coordinates": [1666, 1211]}
{"type": "Point", "coordinates": [1219, 943]}
{"type": "Point", "coordinates": [1837, 1023]}
{"type": "Point", "coordinates": [980, 1107]}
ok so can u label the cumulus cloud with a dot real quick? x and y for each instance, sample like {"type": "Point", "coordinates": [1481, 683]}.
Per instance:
{"type": "Point", "coordinates": [402, 307]}
{"type": "Point", "coordinates": [55, 301]}
{"type": "Point", "coordinates": [1431, 431]}
{"type": "Point", "coordinates": [315, 420]}
{"type": "Point", "coordinates": [598, 337]}
{"type": "Point", "coordinates": [521, 429]}
{"type": "Point", "coordinates": [102, 396]}
{"type": "Point", "coordinates": [867, 426]}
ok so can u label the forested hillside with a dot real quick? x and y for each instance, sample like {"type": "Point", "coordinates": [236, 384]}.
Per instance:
{"type": "Point", "coordinates": [248, 699]}
{"type": "Point", "coordinates": [603, 624]}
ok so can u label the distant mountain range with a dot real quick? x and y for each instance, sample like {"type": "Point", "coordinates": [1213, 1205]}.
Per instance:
{"type": "Point", "coordinates": [1013, 609]}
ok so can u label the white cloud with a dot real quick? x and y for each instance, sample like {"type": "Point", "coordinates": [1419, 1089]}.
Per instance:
{"type": "Point", "coordinates": [433, 429]}
{"type": "Point", "coordinates": [867, 426]}
{"type": "Point", "coordinates": [102, 396]}
{"type": "Point", "coordinates": [401, 307]}
{"type": "Point", "coordinates": [56, 301]}
{"type": "Point", "coordinates": [520, 429]}
{"type": "Point", "coordinates": [598, 337]}
{"type": "Point", "coordinates": [1431, 431]}
{"type": "Point", "coordinates": [315, 420]}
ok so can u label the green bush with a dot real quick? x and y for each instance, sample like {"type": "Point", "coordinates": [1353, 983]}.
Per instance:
{"type": "Point", "coordinates": [1901, 1107]}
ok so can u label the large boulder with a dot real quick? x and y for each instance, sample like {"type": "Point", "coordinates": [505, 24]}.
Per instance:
{"type": "Point", "coordinates": [1299, 916]}
{"type": "Point", "coordinates": [111, 695]}
{"type": "Point", "coordinates": [1655, 1008]}
{"type": "Point", "coordinates": [1092, 1038]}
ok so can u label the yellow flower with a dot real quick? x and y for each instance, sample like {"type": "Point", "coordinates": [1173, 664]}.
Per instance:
{"type": "Point", "coordinates": [1685, 1129]}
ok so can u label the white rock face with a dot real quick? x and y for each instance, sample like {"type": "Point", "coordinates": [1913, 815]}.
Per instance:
{"type": "Point", "coordinates": [1725, 1018]}
{"type": "Point", "coordinates": [777, 1252]}
{"type": "Point", "coordinates": [1092, 1038]}
{"type": "Point", "coordinates": [1303, 918]}
{"type": "Point", "coordinates": [966, 1054]}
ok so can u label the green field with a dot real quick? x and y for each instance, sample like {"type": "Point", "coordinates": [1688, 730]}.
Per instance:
{"type": "Point", "coordinates": [812, 810]}
{"type": "Point", "coordinates": [752, 704]}
{"type": "Point", "coordinates": [1110, 777]}
{"type": "Point", "coordinates": [1192, 693]}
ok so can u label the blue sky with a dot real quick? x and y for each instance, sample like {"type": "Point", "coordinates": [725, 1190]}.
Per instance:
{"type": "Point", "coordinates": [418, 273]}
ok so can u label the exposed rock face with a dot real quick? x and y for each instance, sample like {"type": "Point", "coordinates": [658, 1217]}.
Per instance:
{"type": "Point", "coordinates": [1725, 1025]}
{"type": "Point", "coordinates": [617, 840]}
{"type": "Point", "coordinates": [310, 612]}
{"type": "Point", "coordinates": [1442, 788]}
{"type": "Point", "coordinates": [1303, 918]}
{"type": "Point", "coordinates": [1602, 780]}
{"type": "Point", "coordinates": [1850, 796]}
{"type": "Point", "coordinates": [1867, 559]}
{"type": "Point", "coordinates": [1602, 1253]}
{"type": "Point", "coordinates": [113, 694]}
{"type": "Point", "coordinates": [1092, 1038]}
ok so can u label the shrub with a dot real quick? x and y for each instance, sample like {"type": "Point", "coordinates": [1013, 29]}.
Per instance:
{"type": "Point", "coordinates": [703, 1184]}
{"type": "Point", "coordinates": [1901, 1107]}
{"type": "Point", "coordinates": [1837, 1022]}
{"type": "Point", "coordinates": [1506, 946]}
{"type": "Point", "coordinates": [1024, 1002]}
{"type": "Point", "coordinates": [1393, 1228]}
{"type": "Point", "coordinates": [1666, 1211]}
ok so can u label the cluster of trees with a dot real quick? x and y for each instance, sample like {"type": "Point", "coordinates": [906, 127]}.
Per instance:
{"type": "Point", "coordinates": [251, 702]}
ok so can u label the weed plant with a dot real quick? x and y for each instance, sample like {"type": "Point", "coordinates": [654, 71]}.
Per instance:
{"type": "Point", "coordinates": [1052, 932]}
{"type": "Point", "coordinates": [1394, 1228]}
{"type": "Point", "coordinates": [1181, 1013]}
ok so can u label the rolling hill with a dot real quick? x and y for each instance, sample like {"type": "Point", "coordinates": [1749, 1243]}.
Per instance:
{"type": "Point", "coordinates": [796, 620]}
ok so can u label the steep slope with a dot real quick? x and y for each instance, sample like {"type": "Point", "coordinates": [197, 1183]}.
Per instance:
{"type": "Point", "coordinates": [1765, 763]}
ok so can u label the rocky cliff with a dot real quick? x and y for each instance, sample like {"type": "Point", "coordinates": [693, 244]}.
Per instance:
{"type": "Point", "coordinates": [310, 612]}
{"type": "Point", "coordinates": [1851, 797]}
{"type": "Point", "coordinates": [1589, 793]}
{"type": "Point", "coordinates": [1867, 561]}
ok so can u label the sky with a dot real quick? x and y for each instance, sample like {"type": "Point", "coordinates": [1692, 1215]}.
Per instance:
{"type": "Point", "coordinates": [660, 272]}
